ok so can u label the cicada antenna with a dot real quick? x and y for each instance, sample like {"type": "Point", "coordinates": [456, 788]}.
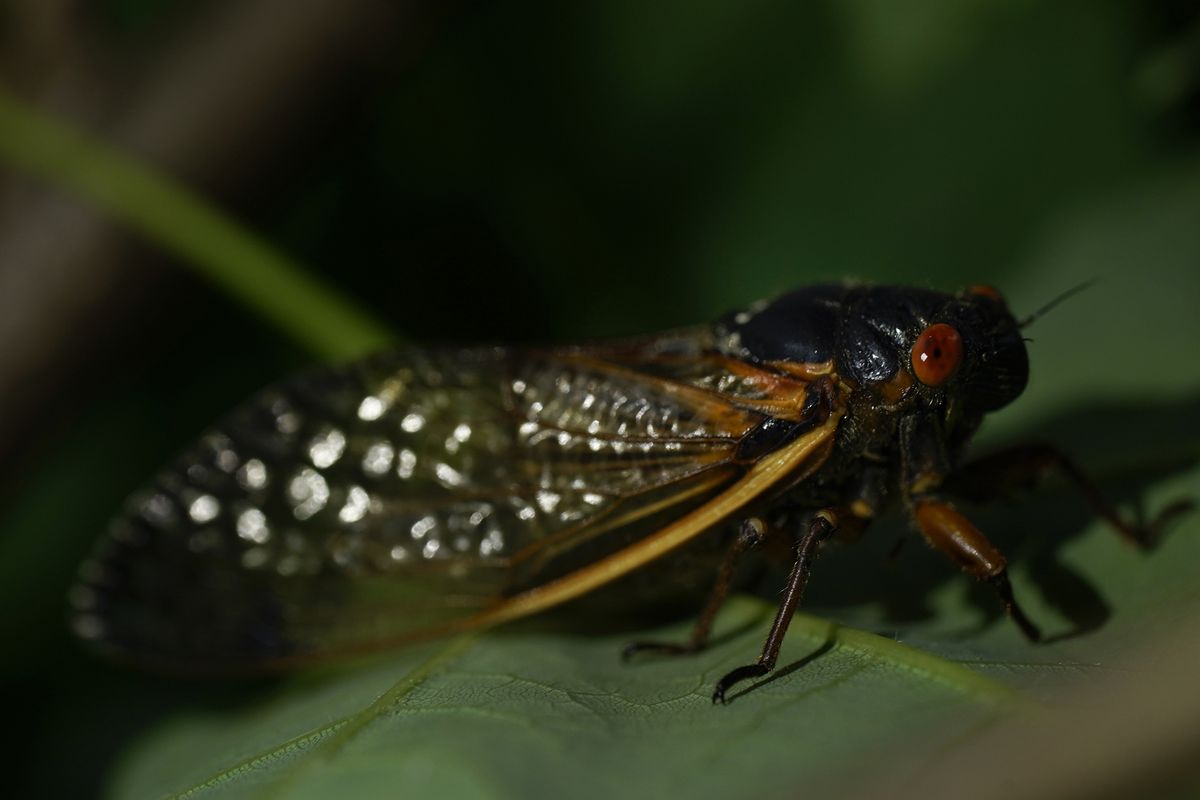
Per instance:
{"type": "Point", "coordinates": [1041, 312]}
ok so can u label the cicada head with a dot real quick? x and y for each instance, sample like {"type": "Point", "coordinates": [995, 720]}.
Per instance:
{"type": "Point", "coordinates": [961, 354]}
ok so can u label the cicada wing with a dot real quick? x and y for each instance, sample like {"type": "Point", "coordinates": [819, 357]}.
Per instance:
{"type": "Point", "coordinates": [362, 505]}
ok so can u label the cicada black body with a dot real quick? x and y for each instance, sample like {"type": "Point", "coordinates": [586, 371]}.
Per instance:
{"type": "Point", "coordinates": [425, 491]}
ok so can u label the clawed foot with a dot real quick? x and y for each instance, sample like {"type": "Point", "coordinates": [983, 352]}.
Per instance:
{"type": "Point", "coordinates": [1149, 535]}
{"type": "Point", "coordinates": [1004, 589]}
{"type": "Point", "coordinates": [740, 674]}
{"type": "Point", "coordinates": [673, 649]}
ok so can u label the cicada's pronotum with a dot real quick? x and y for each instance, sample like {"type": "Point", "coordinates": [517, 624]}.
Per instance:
{"type": "Point", "coordinates": [426, 491]}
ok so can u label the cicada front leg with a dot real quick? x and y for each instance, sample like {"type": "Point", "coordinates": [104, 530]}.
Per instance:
{"type": "Point", "coordinates": [994, 476]}
{"type": "Point", "coordinates": [926, 468]}
{"type": "Point", "coordinates": [954, 535]}
{"type": "Point", "coordinates": [751, 534]}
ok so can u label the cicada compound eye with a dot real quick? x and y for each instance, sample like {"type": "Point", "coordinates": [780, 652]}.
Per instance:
{"type": "Point", "coordinates": [937, 354]}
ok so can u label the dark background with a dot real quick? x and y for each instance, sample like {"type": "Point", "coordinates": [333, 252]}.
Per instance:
{"type": "Point", "coordinates": [484, 172]}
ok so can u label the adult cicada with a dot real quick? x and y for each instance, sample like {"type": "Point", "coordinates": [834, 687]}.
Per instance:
{"type": "Point", "coordinates": [431, 490]}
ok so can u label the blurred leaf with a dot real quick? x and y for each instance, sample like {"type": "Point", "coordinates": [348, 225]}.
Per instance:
{"type": "Point", "coordinates": [245, 266]}
{"type": "Point", "coordinates": [524, 713]}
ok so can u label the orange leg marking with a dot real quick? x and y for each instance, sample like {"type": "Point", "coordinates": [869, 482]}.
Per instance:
{"type": "Point", "coordinates": [951, 533]}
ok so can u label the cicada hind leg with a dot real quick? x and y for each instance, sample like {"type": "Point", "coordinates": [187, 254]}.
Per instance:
{"type": "Point", "coordinates": [820, 527]}
{"type": "Point", "coordinates": [751, 534]}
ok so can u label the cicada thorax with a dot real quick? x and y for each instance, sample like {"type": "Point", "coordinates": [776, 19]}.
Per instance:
{"type": "Point", "coordinates": [358, 505]}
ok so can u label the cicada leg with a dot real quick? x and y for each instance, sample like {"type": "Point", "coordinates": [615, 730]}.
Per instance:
{"type": "Point", "coordinates": [751, 533]}
{"type": "Point", "coordinates": [823, 525]}
{"type": "Point", "coordinates": [954, 535]}
{"type": "Point", "coordinates": [999, 473]}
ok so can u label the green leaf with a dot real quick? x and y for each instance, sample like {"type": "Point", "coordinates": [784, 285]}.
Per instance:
{"type": "Point", "coordinates": [518, 715]}
{"type": "Point", "coordinates": [894, 669]}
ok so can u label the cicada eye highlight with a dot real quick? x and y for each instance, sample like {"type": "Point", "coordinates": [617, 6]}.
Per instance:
{"type": "Point", "coordinates": [936, 354]}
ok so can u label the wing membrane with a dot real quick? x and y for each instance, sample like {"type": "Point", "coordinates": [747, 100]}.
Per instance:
{"type": "Point", "coordinates": [363, 504]}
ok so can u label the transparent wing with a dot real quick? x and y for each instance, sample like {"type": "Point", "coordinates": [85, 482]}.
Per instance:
{"type": "Point", "coordinates": [363, 504]}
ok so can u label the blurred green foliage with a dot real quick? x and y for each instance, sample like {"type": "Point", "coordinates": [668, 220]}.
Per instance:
{"type": "Point", "coordinates": [565, 171]}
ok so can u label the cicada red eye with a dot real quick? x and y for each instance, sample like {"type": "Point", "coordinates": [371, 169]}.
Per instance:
{"type": "Point", "coordinates": [936, 354]}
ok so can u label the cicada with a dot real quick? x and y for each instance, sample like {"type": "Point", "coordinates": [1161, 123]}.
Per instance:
{"type": "Point", "coordinates": [426, 491]}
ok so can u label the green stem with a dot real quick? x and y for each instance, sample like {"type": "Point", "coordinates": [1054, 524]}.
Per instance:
{"type": "Point", "coordinates": [240, 263]}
